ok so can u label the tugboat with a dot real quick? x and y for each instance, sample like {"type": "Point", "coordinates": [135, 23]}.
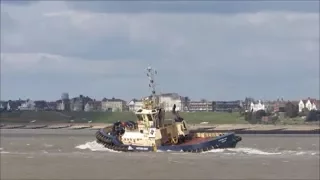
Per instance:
{"type": "Point", "coordinates": [151, 132]}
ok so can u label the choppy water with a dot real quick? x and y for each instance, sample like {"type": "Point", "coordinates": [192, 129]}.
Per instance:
{"type": "Point", "coordinates": [74, 154]}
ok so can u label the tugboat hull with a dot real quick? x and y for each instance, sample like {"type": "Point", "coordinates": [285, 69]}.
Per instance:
{"type": "Point", "coordinates": [227, 140]}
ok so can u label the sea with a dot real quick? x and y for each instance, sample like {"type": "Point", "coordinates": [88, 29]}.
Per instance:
{"type": "Point", "coordinates": [74, 154]}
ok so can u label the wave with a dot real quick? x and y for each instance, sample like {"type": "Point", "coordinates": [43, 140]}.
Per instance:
{"type": "Point", "coordinates": [94, 146]}
{"type": "Point", "coordinates": [253, 151]}
{"type": "Point", "coordinates": [3, 152]}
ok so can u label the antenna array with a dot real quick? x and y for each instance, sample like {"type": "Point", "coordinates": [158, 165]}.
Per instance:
{"type": "Point", "coordinates": [151, 74]}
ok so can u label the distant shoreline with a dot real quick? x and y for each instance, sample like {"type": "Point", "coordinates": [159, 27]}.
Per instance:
{"type": "Point", "coordinates": [49, 117]}
{"type": "Point", "coordinates": [237, 128]}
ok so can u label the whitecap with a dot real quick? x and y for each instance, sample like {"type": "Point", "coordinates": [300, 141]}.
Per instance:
{"type": "Point", "coordinates": [47, 145]}
{"type": "Point", "coordinates": [252, 151]}
{"type": "Point", "coordinates": [44, 151]}
{"type": "Point", "coordinates": [4, 152]}
{"type": "Point", "coordinates": [94, 146]}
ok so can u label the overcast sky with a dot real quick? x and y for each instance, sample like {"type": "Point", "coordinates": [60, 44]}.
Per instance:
{"type": "Point", "coordinates": [213, 50]}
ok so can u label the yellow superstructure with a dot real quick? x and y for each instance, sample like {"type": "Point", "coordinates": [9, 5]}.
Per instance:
{"type": "Point", "coordinates": [151, 129]}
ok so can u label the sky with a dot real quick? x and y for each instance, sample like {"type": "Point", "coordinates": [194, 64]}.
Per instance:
{"type": "Point", "coordinates": [218, 50]}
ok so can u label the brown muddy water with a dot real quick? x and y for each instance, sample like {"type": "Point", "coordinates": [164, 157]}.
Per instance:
{"type": "Point", "coordinates": [74, 154]}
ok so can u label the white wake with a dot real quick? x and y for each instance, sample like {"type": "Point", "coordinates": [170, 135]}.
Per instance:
{"type": "Point", "coordinates": [253, 151]}
{"type": "Point", "coordinates": [3, 152]}
{"type": "Point", "coordinates": [94, 146]}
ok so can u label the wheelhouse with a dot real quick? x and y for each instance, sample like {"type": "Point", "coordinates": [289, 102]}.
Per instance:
{"type": "Point", "coordinates": [151, 118]}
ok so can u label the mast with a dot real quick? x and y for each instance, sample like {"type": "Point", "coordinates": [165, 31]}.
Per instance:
{"type": "Point", "coordinates": [151, 74]}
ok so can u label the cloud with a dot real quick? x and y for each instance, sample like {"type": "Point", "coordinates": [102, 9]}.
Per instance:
{"type": "Point", "coordinates": [47, 63]}
{"type": "Point", "coordinates": [201, 54]}
{"type": "Point", "coordinates": [18, 3]}
{"type": "Point", "coordinates": [45, 76]}
{"type": "Point", "coordinates": [194, 6]}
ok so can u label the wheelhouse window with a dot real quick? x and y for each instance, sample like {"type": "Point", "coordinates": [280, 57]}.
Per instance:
{"type": "Point", "coordinates": [154, 116]}
{"type": "Point", "coordinates": [149, 117]}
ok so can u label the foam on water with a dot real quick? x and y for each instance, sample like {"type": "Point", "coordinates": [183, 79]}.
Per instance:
{"type": "Point", "coordinates": [47, 145]}
{"type": "Point", "coordinates": [3, 152]}
{"type": "Point", "coordinates": [253, 151]}
{"type": "Point", "coordinates": [94, 146]}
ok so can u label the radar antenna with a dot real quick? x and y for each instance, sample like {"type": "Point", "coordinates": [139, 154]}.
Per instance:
{"type": "Point", "coordinates": [151, 74]}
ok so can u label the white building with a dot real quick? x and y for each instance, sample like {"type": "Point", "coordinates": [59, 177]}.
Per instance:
{"type": "Point", "coordinates": [88, 107]}
{"type": "Point", "coordinates": [200, 106]}
{"type": "Point", "coordinates": [314, 106]}
{"type": "Point", "coordinates": [169, 99]}
{"type": "Point", "coordinates": [135, 104]}
{"type": "Point", "coordinates": [301, 106]}
{"type": "Point", "coordinates": [113, 105]}
{"type": "Point", "coordinates": [28, 105]}
{"type": "Point", "coordinates": [307, 104]}
{"type": "Point", "coordinates": [166, 101]}
{"type": "Point", "coordinates": [60, 106]}
{"type": "Point", "coordinates": [8, 106]}
{"type": "Point", "coordinates": [256, 107]}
